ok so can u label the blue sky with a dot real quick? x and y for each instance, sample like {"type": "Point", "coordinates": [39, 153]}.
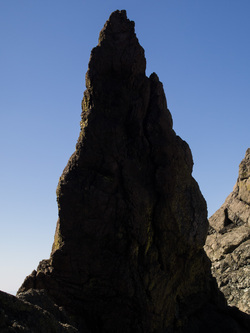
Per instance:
{"type": "Point", "coordinates": [200, 51]}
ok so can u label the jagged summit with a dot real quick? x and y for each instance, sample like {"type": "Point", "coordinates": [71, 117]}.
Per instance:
{"type": "Point", "coordinates": [118, 27]}
{"type": "Point", "coordinates": [128, 250]}
{"type": "Point", "coordinates": [118, 51]}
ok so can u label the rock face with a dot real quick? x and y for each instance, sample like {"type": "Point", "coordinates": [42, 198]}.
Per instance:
{"type": "Point", "coordinates": [228, 242]}
{"type": "Point", "coordinates": [128, 250]}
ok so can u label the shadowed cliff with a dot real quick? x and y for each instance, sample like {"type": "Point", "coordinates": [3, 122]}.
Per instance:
{"type": "Point", "coordinates": [128, 250]}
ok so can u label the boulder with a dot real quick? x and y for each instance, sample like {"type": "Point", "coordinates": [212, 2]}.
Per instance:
{"type": "Point", "coordinates": [17, 315]}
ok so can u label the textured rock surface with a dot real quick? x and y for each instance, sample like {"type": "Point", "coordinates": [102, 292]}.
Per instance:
{"type": "Point", "coordinates": [128, 250]}
{"type": "Point", "coordinates": [17, 315]}
{"type": "Point", "coordinates": [228, 242]}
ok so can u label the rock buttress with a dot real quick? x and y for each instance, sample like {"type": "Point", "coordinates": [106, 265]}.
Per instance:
{"type": "Point", "coordinates": [128, 251]}
{"type": "Point", "coordinates": [228, 242]}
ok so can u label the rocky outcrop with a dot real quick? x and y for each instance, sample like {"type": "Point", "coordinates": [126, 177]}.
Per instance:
{"type": "Point", "coordinates": [17, 315]}
{"type": "Point", "coordinates": [128, 250]}
{"type": "Point", "coordinates": [228, 242]}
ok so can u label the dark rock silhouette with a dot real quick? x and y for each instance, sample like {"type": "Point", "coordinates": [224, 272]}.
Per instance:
{"type": "Point", "coordinates": [228, 242]}
{"type": "Point", "coordinates": [128, 250]}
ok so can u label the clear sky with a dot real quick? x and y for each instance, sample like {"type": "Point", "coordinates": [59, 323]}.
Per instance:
{"type": "Point", "coordinates": [200, 51]}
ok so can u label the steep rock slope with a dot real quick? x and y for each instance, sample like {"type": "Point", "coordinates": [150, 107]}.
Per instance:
{"type": "Point", "coordinates": [128, 250]}
{"type": "Point", "coordinates": [228, 242]}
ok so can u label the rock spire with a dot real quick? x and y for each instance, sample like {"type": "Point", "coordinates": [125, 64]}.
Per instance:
{"type": "Point", "coordinates": [128, 250]}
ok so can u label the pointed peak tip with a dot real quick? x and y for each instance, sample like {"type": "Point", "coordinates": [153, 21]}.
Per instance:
{"type": "Point", "coordinates": [119, 13]}
{"type": "Point", "coordinates": [116, 24]}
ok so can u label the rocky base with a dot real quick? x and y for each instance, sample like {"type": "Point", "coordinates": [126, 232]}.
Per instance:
{"type": "Point", "coordinates": [39, 316]}
{"type": "Point", "coordinates": [35, 312]}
